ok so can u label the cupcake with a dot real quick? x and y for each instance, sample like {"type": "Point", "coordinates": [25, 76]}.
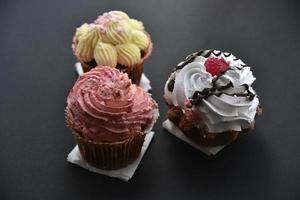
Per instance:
{"type": "Point", "coordinates": [109, 117]}
{"type": "Point", "coordinates": [114, 40]}
{"type": "Point", "coordinates": [210, 97]}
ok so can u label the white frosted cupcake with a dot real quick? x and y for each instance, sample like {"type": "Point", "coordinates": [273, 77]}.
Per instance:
{"type": "Point", "coordinates": [210, 97]}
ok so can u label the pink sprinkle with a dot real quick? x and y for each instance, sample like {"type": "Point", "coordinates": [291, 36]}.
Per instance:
{"type": "Point", "coordinates": [104, 19]}
{"type": "Point", "coordinates": [103, 28]}
{"type": "Point", "coordinates": [188, 103]}
{"type": "Point", "coordinates": [115, 18]}
{"type": "Point", "coordinates": [120, 30]}
{"type": "Point", "coordinates": [193, 115]}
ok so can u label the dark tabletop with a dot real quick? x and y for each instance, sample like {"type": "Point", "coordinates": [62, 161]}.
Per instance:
{"type": "Point", "coordinates": [37, 73]}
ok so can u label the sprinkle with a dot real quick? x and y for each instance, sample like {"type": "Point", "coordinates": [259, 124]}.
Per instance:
{"type": "Point", "coordinates": [107, 17]}
{"type": "Point", "coordinates": [120, 30]}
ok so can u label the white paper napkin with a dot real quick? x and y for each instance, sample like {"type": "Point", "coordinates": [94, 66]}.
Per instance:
{"type": "Point", "coordinates": [173, 129]}
{"type": "Point", "coordinates": [78, 68]}
{"type": "Point", "coordinates": [124, 174]}
{"type": "Point", "coordinates": [145, 82]}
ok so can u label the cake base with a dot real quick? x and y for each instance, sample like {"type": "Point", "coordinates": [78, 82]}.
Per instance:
{"type": "Point", "coordinates": [124, 174]}
{"type": "Point", "coordinates": [174, 130]}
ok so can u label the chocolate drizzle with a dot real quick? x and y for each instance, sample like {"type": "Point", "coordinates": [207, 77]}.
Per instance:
{"type": "Point", "coordinates": [207, 92]}
{"type": "Point", "coordinates": [197, 97]}
{"type": "Point", "coordinates": [199, 53]}
{"type": "Point", "coordinates": [226, 54]}
{"type": "Point", "coordinates": [171, 85]}
{"type": "Point", "coordinates": [189, 59]}
{"type": "Point", "coordinates": [204, 53]}
{"type": "Point", "coordinates": [251, 95]}
{"type": "Point", "coordinates": [216, 53]}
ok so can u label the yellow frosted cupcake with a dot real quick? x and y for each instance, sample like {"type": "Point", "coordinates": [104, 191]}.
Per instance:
{"type": "Point", "coordinates": [114, 40]}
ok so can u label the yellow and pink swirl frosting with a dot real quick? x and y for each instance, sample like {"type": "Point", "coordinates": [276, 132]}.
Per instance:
{"type": "Point", "coordinates": [112, 39]}
{"type": "Point", "coordinates": [104, 106]}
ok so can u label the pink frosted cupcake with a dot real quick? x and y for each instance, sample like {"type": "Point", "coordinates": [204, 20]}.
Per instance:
{"type": "Point", "coordinates": [109, 117]}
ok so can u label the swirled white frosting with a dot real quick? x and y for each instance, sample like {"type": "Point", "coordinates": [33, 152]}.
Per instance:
{"type": "Point", "coordinates": [222, 112]}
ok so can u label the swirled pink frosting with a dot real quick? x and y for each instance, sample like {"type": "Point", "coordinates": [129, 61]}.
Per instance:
{"type": "Point", "coordinates": [104, 106]}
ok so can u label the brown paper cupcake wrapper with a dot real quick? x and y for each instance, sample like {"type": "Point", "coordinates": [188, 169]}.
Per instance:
{"type": "Point", "coordinates": [134, 72]}
{"type": "Point", "coordinates": [201, 135]}
{"type": "Point", "coordinates": [85, 67]}
{"type": "Point", "coordinates": [110, 156]}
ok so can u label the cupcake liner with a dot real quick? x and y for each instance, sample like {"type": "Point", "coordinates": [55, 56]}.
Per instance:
{"type": "Point", "coordinates": [110, 156]}
{"type": "Point", "coordinates": [125, 173]}
{"type": "Point", "coordinates": [174, 130]}
{"type": "Point", "coordinates": [85, 67]}
{"type": "Point", "coordinates": [201, 135]}
{"type": "Point", "coordinates": [134, 72]}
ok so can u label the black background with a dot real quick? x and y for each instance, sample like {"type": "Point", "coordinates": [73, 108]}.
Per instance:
{"type": "Point", "coordinates": [37, 73]}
